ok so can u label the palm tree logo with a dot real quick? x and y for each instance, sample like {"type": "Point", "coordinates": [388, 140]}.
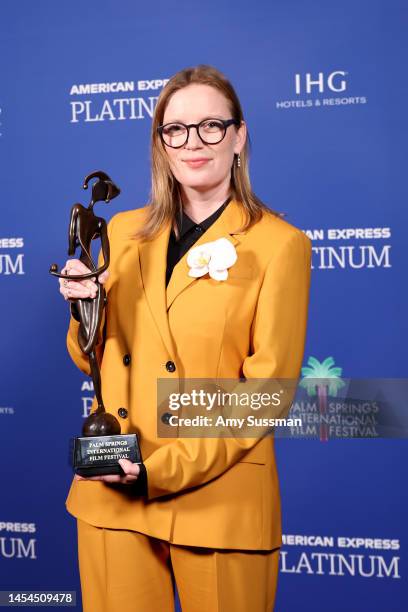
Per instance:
{"type": "Point", "coordinates": [322, 379]}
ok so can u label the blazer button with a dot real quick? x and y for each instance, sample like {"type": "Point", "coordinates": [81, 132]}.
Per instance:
{"type": "Point", "coordinates": [165, 418]}
{"type": "Point", "coordinates": [122, 412]}
{"type": "Point", "coordinates": [126, 359]}
{"type": "Point", "coordinates": [170, 366]}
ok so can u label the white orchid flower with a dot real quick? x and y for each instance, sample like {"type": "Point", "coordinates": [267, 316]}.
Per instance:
{"type": "Point", "coordinates": [198, 259]}
{"type": "Point", "coordinates": [212, 257]}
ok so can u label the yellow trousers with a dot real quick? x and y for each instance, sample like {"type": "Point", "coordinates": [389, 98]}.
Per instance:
{"type": "Point", "coordinates": [127, 571]}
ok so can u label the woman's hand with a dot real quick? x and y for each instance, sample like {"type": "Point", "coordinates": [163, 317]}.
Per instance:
{"type": "Point", "coordinates": [73, 290]}
{"type": "Point", "coordinates": [132, 471]}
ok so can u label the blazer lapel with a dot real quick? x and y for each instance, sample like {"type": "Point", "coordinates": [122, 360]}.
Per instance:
{"type": "Point", "coordinates": [224, 227]}
{"type": "Point", "coordinates": [153, 262]}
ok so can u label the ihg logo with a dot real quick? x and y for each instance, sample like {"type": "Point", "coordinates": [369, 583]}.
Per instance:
{"type": "Point", "coordinates": [308, 82]}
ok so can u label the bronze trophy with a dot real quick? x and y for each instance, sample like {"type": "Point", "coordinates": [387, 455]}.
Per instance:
{"type": "Point", "coordinates": [101, 446]}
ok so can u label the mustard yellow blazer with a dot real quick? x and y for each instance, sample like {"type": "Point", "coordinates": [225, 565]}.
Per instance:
{"type": "Point", "coordinates": [212, 492]}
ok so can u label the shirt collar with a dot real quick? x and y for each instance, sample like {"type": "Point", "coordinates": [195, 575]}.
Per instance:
{"type": "Point", "coordinates": [187, 223]}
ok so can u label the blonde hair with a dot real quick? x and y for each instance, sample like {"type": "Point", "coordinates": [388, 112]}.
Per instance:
{"type": "Point", "coordinates": [165, 196]}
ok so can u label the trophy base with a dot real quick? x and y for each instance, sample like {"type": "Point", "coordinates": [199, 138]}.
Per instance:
{"type": "Point", "coordinates": [99, 455]}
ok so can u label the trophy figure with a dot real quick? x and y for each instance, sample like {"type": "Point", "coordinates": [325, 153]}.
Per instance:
{"type": "Point", "coordinates": [101, 446]}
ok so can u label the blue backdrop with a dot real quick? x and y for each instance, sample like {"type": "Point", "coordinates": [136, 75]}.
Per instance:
{"type": "Point", "coordinates": [323, 86]}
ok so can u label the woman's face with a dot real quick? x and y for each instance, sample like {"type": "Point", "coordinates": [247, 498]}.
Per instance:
{"type": "Point", "coordinates": [197, 165]}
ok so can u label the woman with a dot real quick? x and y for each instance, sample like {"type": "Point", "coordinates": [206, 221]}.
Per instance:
{"type": "Point", "coordinates": [202, 511]}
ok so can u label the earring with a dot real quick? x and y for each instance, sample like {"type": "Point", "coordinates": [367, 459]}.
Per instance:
{"type": "Point", "coordinates": [238, 161]}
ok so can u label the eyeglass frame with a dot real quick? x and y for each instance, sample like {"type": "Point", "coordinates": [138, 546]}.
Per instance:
{"type": "Point", "coordinates": [226, 123]}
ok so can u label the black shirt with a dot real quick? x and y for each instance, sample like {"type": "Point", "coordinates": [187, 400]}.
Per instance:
{"type": "Point", "coordinates": [190, 232]}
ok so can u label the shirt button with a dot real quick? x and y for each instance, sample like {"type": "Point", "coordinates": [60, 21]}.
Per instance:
{"type": "Point", "coordinates": [170, 366]}
{"type": "Point", "coordinates": [198, 228]}
{"type": "Point", "coordinates": [165, 418]}
{"type": "Point", "coordinates": [126, 359]}
{"type": "Point", "coordinates": [122, 412]}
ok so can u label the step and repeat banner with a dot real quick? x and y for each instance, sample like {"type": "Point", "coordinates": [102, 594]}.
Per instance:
{"type": "Point", "coordinates": [323, 86]}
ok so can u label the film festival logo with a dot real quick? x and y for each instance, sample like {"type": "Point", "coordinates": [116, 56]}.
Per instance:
{"type": "Point", "coordinates": [351, 248]}
{"type": "Point", "coordinates": [332, 407]}
{"type": "Point", "coordinates": [11, 260]}
{"type": "Point", "coordinates": [316, 90]}
{"type": "Point", "coordinates": [114, 101]}
{"type": "Point", "coordinates": [322, 380]}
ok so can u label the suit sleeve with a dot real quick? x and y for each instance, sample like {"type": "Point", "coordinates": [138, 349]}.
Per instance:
{"type": "Point", "coordinates": [77, 356]}
{"type": "Point", "coordinates": [278, 333]}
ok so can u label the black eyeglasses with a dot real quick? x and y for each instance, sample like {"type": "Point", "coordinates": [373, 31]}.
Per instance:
{"type": "Point", "coordinates": [210, 131]}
